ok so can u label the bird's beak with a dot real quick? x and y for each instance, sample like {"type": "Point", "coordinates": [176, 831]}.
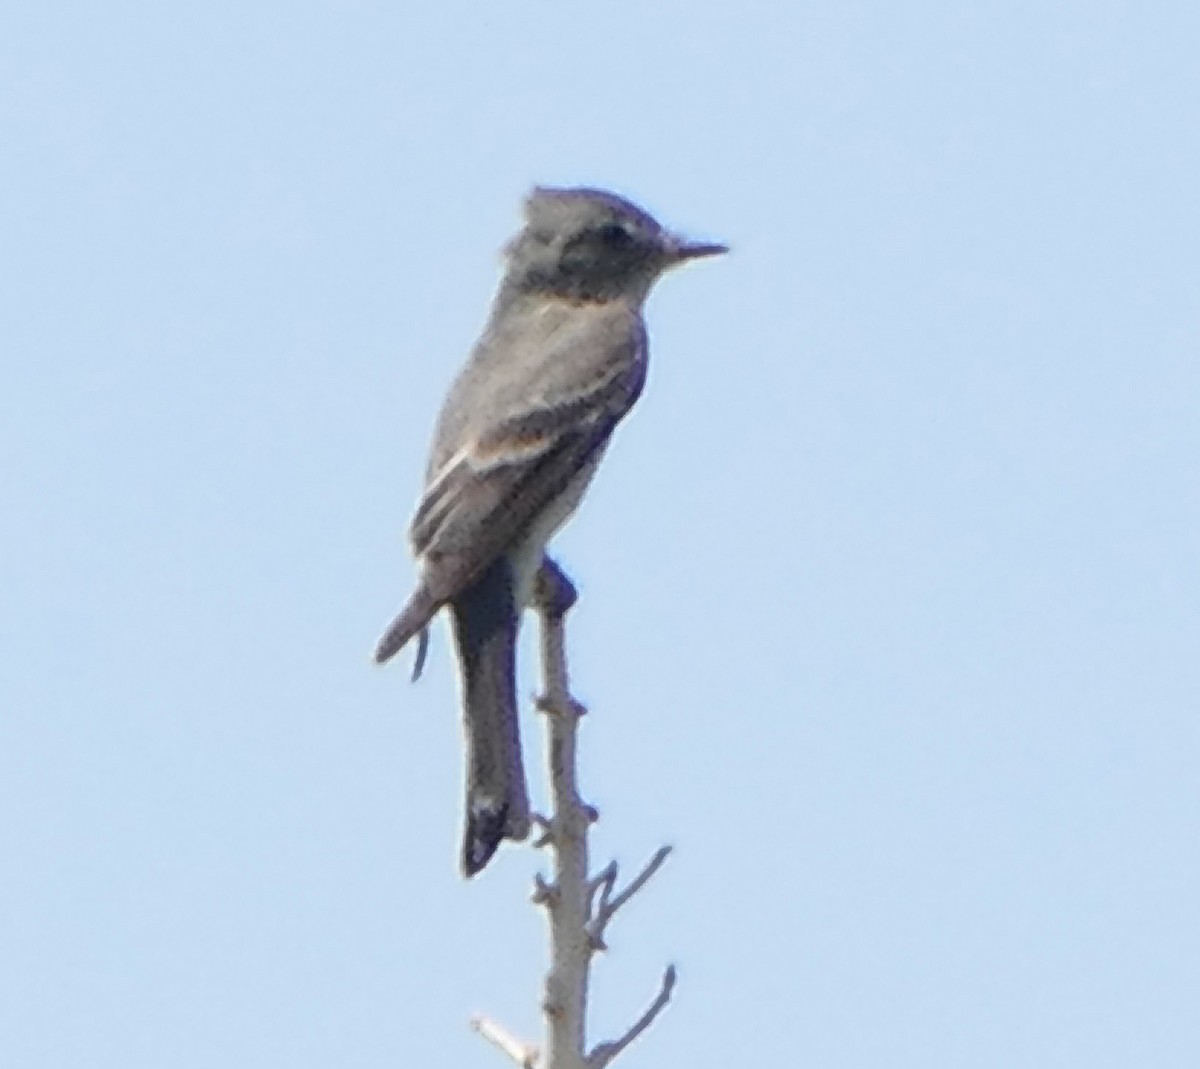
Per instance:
{"type": "Point", "coordinates": [681, 251]}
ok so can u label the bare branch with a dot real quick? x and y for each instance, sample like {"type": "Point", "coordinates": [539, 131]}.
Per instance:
{"type": "Point", "coordinates": [642, 878]}
{"type": "Point", "coordinates": [579, 907]}
{"type": "Point", "coordinates": [609, 906]}
{"type": "Point", "coordinates": [525, 1055]}
{"type": "Point", "coordinates": [606, 1052]}
{"type": "Point", "coordinates": [565, 1001]}
{"type": "Point", "coordinates": [603, 882]}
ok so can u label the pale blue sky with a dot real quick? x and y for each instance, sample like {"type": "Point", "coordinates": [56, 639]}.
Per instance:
{"type": "Point", "coordinates": [890, 616]}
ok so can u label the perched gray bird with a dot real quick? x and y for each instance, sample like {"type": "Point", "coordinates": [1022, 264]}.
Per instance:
{"type": "Point", "coordinates": [561, 360]}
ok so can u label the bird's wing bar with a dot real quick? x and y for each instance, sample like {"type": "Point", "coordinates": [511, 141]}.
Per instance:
{"type": "Point", "coordinates": [503, 454]}
{"type": "Point", "coordinates": [477, 513]}
{"type": "Point", "coordinates": [561, 409]}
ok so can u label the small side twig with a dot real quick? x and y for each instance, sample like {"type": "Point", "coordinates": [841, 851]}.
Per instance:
{"type": "Point", "coordinates": [603, 881]}
{"type": "Point", "coordinates": [526, 1055]}
{"type": "Point", "coordinates": [606, 881]}
{"type": "Point", "coordinates": [545, 828]}
{"type": "Point", "coordinates": [604, 1053]}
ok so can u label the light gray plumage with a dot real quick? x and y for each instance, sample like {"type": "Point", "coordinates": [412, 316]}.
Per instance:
{"type": "Point", "coordinates": [561, 360]}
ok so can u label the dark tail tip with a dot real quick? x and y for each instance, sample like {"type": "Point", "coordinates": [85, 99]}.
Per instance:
{"type": "Point", "coordinates": [485, 829]}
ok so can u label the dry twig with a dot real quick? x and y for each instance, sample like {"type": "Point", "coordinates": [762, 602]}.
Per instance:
{"type": "Point", "coordinates": [579, 907]}
{"type": "Point", "coordinates": [606, 1052]}
{"type": "Point", "coordinates": [524, 1054]}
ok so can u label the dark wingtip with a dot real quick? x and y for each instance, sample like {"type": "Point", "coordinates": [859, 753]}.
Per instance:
{"type": "Point", "coordinates": [422, 652]}
{"type": "Point", "coordinates": [485, 829]}
{"type": "Point", "coordinates": [410, 621]}
{"type": "Point", "coordinates": [388, 646]}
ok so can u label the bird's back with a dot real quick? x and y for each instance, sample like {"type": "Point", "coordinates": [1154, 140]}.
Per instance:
{"type": "Point", "coordinates": [537, 351]}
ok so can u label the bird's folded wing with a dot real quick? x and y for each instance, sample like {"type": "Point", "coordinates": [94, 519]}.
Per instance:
{"type": "Point", "coordinates": [487, 493]}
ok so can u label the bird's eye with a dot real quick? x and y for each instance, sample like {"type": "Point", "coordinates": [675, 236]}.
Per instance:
{"type": "Point", "coordinates": [616, 235]}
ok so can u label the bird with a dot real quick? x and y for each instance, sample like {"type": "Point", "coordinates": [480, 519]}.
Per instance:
{"type": "Point", "coordinates": [561, 360]}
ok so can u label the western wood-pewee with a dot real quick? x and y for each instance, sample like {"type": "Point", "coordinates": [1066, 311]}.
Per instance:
{"type": "Point", "coordinates": [561, 360]}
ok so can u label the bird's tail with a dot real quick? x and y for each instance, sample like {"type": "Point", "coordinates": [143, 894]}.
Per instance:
{"type": "Point", "coordinates": [497, 803]}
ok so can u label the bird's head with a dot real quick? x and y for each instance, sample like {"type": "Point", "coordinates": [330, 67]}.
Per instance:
{"type": "Point", "coordinates": [587, 244]}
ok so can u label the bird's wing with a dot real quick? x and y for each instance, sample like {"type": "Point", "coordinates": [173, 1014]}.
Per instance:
{"type": "Point", "coordinates": [515, 462]}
